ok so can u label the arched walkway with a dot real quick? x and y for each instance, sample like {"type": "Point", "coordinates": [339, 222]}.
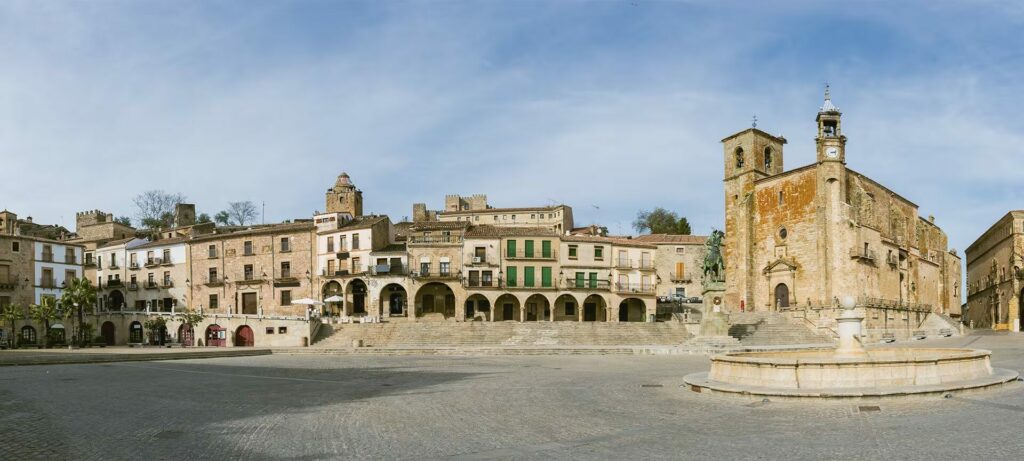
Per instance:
{"type": "Point", "coordinates": [537, 308]}
{"type": "Point", "coordinates": [135, 332]}
{"type": "Point", "coordinates": [186, 335]}
{"type": "Point", "coordinates": [567, 308]}
{"type": "Point", "coordinates": [632, 310]}
{"type": "Point", "coordinates": [107, 331]}
{"type": "Point", "coordinates": [435, 298]}
{"type": "Point", "coordinates": [595, 309]}
{"type": "Point", "coordinates": [216, 336]}
{"type": "Point", "coordinates": [28, 335]}
{"type": "Point", "coordinates": [506, 308]}
{"type": "Point", "coordinates": [394, 300]}
{"type": "Point", "coordinates": [478, 307]}
{"type": "Point", "coordinates": [781, 296]}
{"type": "Point", "coordinates": [332, 288]}
{"type": "Point", "coordinates": [244, 337]}
{"type": "Point", "coordinates": [355, 298]}
{"type": "Point", "coordinates": [116, 300]}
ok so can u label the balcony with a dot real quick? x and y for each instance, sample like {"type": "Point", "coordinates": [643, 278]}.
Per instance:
{"type": "Point", "coordinates": [133, 266]}
{"type": "Point", "coordinates": [483, 284]}
{"type": "Point", "coordinates": [150, 285]}
{"type": "Point", "coordinates": [863, 254]}
{"type": "Point", "coordinates": [430, 272]}
{"type": "Point", "coordinates": [114, 283]}
{"type": "Point", "coordinates": [334, 273]}
{"type": "Point", "coordinates": [213, 281]}
{"type": "Point", "coordinates": [251, 279]}
{"type": "Point", "coordinates": [70, 259]}
{"type": "Point", "coordinates": [644, 265]}
{"type": "Point", "coordinates": [133, 286]}
{"type": "Point", "coordinates": [113, 265]}
{"type": "Point", "coordinates": [634, 288]}
{"type": "Point", "coordinates": [389, 269]}
{"type": "Point", "coordinates": [89, 262]}
{"type": "Point", "coordinates": [167, 283]}
{"type": "Point", "coordinates": [8, 282]}
{"type": "Point", "coordinates": [47, 283]}
{"type": "Point", "coordinates": [166, 262]}
{"type": "Point", "coordinates": [531, 255]}
{"type": "Point", "coordinates": [586, 284]}
{"type": "Point", "coordinates": [153, 262]}
{"type": "Point", "coordinates": [480, 261]}
{"type": "Point", "coordinates": [435, 239]}
{"type": "Point", "coordinates": [211, 255]}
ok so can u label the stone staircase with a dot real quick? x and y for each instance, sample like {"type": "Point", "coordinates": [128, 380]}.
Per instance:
{"type": "Point", "coordinates": [771, 329]}
{"type": "Point", "coordinates": [501, 334]}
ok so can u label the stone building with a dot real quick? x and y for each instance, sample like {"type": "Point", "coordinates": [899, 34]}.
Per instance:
{"type": "Point", "coordinates": [344, 197]}
{"type": "Point", "coordinates": [822, 231]}
{"type": "Point", "coordinates": [256, 271]}
{"type": "Point", "coordinates": [94, 228]}
{"type": "Point", "coordinates": [994, 276]}
{"type": "Point", "coordinates": [345, 258]}
{"type": "Point", "coordinates": [677, 263]}
{"type": "Point", "coordinates": [476, 211]}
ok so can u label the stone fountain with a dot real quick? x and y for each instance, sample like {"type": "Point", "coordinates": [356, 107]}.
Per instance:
{"type": "Point", "coordinates": [850, 370]}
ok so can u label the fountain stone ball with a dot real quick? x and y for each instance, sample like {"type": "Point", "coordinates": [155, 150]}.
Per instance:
{"type": "Point", "coordinates": [848, 302]}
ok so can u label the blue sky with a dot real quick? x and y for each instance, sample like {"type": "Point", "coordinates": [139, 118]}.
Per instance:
{"type": "Point", "coordinates": [608, 106]}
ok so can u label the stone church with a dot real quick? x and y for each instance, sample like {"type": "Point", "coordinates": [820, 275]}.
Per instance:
{"type": "Point", "coordinates": [812, 234]}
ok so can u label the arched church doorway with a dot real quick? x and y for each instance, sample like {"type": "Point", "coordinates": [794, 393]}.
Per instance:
{"type": "Point", "coordinates": [781, 296]}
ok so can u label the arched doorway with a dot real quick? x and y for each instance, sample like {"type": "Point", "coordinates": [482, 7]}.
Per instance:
{"type": "Point", "coordinates": [506, 308]}
{"type": "Point", "coordinates": [595, 309]}
{"type": "Point", "coordinates": [356, 296]}
{"type": "Point", "coordinates": [566, 309]}
{"type": "Point", "coordinates": [332, 289]}
{"type": "Point", "coordinates": [216, 336]}
{"type": "Point", "coordinates": [135, 332]}
{"type": "Point", "coordinates": [28, 335]}
{"type": "Point", "coordinates": [537, 308]}
{"type": "Point", "coordinates": [57, 335]}
{"type": "Point", "coordinates": [186, 335]}
{"type": "Point", "coordinates": [393, 300]}
{"type": "Point", "coordinates": [435, 300]}
{"type": "Point", "coordinates": [116, 300]}
{"type": "Point", "coordinates": [244, 337]}
{"type": "Point", "coordinates": [781, 296]}
{"type": "Point", "coordinates": [632, 310]}
{"type": "Point", "coordinates": [478, 308]}
{"type": "Point", "coordinates": [161, 335]}
{"type": "Point", "coordinates": [107, 331]}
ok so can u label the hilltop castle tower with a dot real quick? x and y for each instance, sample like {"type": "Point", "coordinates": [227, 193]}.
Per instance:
{"type": "Point", "coordinates": [344, 197]}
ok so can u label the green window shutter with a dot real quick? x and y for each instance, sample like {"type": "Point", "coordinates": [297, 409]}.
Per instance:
{"type": "Point", "coordinates": [545, 248]}
{"type": "Point", "coordinates": [579, 279]}
{"type": "Point", "coordinates": [528, 248]}
{"type": "Point", "coordinates": [510, 276]}
{"type": "Point", "coordinates": [545, 276]}
{"type": "Point", "coordinates": [593, 280]}
{"type": "Point", "coordinates": [528, 276]}
{"type": "Point", "coordinates": [511, 251]}
{"type": "Point", "coordinates": [598, 252]}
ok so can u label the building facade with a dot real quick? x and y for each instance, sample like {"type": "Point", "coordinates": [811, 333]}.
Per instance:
{"type": "Point", "coordinates": [677, 263]}
{"type": "Point", "coordinates": [810, 235]}
{"type": "Point", "coordinates": [994, 275]}
{"type": "Point", "coordinates": [476, 211]}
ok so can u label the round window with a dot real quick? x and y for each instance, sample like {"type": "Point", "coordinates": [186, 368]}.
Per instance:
{"type": "Point", "coordinates": [783, 233]}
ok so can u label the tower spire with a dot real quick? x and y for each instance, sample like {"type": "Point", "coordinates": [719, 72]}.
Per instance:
{"type": "Point", "coordinates": [827, 106]}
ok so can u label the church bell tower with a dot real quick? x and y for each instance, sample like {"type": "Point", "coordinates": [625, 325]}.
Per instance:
{"type": "Point", "coordinates": [831, 142]}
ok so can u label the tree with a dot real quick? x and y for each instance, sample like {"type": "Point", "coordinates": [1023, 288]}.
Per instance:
{"type": "Point", "coordinates": [661, 221]}
{"type": "Point", "coordinates": [241, 213]}
{"type": "Point", "coordinates": [124, 220]}
{"type": "Point", "coordinates": [44, 313]}
{"type": "Point", "coordinates": [203, 218]}
{"type": "Point", "coordinates": [77, 296]}
{"type": "Point", "coordinates": [155, 208]}
{"type": "Point", "coordinates": [154, 326]}
{"type": "Point", "coordinates": [190, 318]}
{"type": "Point", "coordinates": [11, 314]}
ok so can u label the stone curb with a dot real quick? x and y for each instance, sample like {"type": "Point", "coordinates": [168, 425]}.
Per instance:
{"type": "Point", "coordinates": [69, 359]}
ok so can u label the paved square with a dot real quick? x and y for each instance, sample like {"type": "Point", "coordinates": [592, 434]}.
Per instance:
{"type": "Point", "coordinates": [571, 407]}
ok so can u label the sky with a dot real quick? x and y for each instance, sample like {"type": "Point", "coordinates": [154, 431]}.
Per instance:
{"type": "Point", "coordinates": [608, 106]}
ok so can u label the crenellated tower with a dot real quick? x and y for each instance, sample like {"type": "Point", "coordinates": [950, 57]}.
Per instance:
{"type": "Point", "coordinates": [344, 197]}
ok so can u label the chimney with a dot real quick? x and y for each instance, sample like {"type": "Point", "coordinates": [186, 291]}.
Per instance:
{"type": "Point", "coordinates": [931, 219]}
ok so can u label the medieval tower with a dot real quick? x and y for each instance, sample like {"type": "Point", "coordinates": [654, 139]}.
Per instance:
{"type": "Point", "coordinates": [344, 197]}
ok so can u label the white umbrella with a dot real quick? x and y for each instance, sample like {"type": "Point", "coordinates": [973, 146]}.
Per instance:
{"type": "Point", "coordinates": [334, 299]}
{"type": "Point", "coordinates": [308, 302]}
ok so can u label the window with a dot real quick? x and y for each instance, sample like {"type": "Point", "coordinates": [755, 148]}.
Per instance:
{"type": "Point", "coordinates": [330, 267]}
{"type": "Point", "coordinates": [782, 198]}
{"type": "Point", "coordinates": [424, 268]}
{"type": "Point", "coordinates": [528, 248]}
{"type": "Point", "coordinates": [513, 217]}
{"type": "Point", "coordinates": [599, 253]}
{"type": "Point", "coordinates": [282, 330]}
{"type": "Point", "coordinates": [767, 159]}
{"type": "Point", "coordinates": [286, 244]}
{"type": "Point", "coordinates": [16, 246]}
{"type": "Point", "coordinates": [528, 273]}
{"type": "Point", "coordinates": [545, 248]}
{"type": "Point", "coordinates": [680, 270]}
{"type": "Point", "coordinates": [510, 250]}
{"type": "Point", "coordinates": [545, 277]}
{"type": "Point", "coordinates": [167, 278]}
{"type": "Point", "coordinates": [47, 278]}
{"type": "Point", "coordinates": [593, 280]}
{"type": "Point", "coordinates": [783, 233]}
{"type": "Point", "coordinates": [47, 253]}
{"type": "Point", "coordinates": [474, 278]}
{"type": "Point", "coordinates": [355, 241]}
{"type": "Point", "coordinates": [579, 279]}
{"type": "Point", "coordinates": [486, 278]}
{"type": "Point", "coordinates": [330, 244]}
{"type": "Point", "coordinates": [356, 267]}
{"type": "Point", "coordinates": [247, 248]}
{"type": "Point", "coordinates": [341, 243]}
{"type": "Point", "coordinates": [286, 297]}
{"type": "Point", "coordinates": [270, 330]}
{"type": "Point", "coordinates": [476, 218]}
{"type": "Point", "coordinates": [149, 258]}
{"type": "Point", "coordinates": [69, 276]}
{"type": "Point", "coordinates": [167, 256]}
{"type": "Point", "coordinates": [680, 250]}
{"type": "Point", "coordinates": [69, 255]}
{"type": "Point", "coordinates": [572, 251]}
{"type": "Point", "coordinates": [133, 260]}
{"type": "Point", "coordinates": [480, 254]}
{"type": "Point", "coordinates": [533, 216]}
{"type": "Point", "coordinates": [286, 269]}
{"type": "Point", "coordinates": [248, 272]}
{"type": "Point", "coordinates": [212, 277]}
{"type": "Point", "coordinates": [446, 268]}
{"type": "Point", "coordinates": [511, 276]}
{"type": "Point", "coordinates": [150, 280]}
{"type": "Point", "coordinates": [739, 157]}
{"type": "Point", "coordinates": [212, 251]}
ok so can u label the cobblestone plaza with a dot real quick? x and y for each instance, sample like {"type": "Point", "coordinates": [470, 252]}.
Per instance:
{"type": "Point", "coordinates": [530, 407]}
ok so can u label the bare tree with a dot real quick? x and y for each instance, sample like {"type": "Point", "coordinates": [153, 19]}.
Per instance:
{"type": "Point", "coordinates": [242, 213]}
{"type": "Point", "coordinates": [155, 208]}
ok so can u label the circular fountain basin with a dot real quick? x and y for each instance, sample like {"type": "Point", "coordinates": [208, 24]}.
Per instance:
{"type": "Point", "coordinates": [871, 373]}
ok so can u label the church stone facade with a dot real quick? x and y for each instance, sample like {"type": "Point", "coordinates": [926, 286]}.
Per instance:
{"type": "Point", "coordinates": [810, 235]}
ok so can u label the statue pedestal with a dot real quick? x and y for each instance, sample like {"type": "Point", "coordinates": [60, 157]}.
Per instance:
{"type": "Point", "coordinates": [713, 294]}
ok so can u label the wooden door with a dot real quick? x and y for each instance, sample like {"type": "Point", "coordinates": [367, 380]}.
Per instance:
{"type": "Point", "coordinates": [244, 337]}
{"type": "Point", "coordinates": [249, 303]}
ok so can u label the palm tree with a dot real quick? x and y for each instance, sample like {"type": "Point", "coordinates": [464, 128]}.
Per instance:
{"type": "Point", "coordinates": [12, 313]}
{"type": "Point", "coordinates": [44, 313]}
{"type": "Point", "coordinates": [77, 296]}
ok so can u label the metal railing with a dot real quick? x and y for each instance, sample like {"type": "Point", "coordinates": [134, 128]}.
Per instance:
{"type": "Point", "coordinates": [428, 239]}
{"type": "Point", "coordinates": [482, 283]}
{"type": "Point", "coordinates": [213, 280]}
{"type": "Point", "coordinates": [634, 288]}
{"type": "Point", "coordinates": [8, 282]}
{"type": "Point", "coordinates": [153, 262]}
{"type": "Point", "coordinates": [521, 253]}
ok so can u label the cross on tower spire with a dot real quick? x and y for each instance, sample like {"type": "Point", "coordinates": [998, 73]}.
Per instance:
{"type": "Point", "coordinates": [754, 123]}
